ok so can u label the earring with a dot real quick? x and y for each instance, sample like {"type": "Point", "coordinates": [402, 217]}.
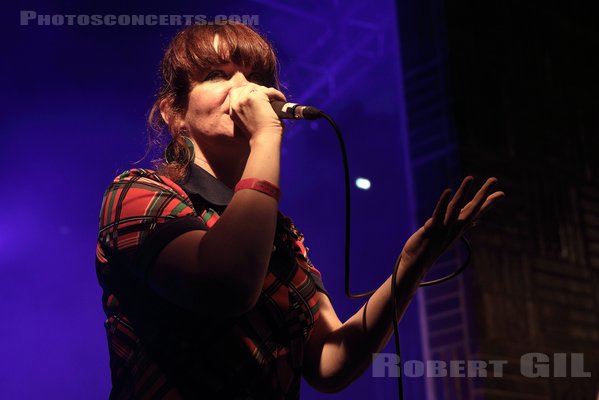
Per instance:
{"type": "Point", "coordinates": [175, 154]}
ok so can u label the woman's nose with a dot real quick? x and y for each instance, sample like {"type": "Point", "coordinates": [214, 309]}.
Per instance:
{"type": "Point", "coordinates": [239, 79]}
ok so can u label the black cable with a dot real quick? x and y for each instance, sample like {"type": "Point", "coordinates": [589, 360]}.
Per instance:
{"type": "Point", "coordinates": [346, 177]}
{"type": "Point", "coordinates": [457, 271]}
{"type": "Point", "coordinates": [396, 328]}
{"type": "Point", "coordinates": [397, 262]}
{"type": "Point", "coordinates": [347, 254]}
{"type": "Point", "coordinates": [347, 207]}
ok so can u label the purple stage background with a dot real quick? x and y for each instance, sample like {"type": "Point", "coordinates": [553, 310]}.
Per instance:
{"type": "Point", "coordinates": [75, 100]}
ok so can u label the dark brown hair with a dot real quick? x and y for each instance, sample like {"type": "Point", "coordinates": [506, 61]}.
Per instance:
{"type": "Point", "coordinates": [190, 53]}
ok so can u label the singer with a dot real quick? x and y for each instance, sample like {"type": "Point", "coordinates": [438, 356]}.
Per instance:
{"type": "Point", "coordinates": [207, 288]}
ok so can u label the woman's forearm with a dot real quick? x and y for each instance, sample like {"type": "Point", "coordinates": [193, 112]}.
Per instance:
{"type": "Point", "coordinates": [349, 349]}
{"type": "Point", "coordinates": [239, 245]}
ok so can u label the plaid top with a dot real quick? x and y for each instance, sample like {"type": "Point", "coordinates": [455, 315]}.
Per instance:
{"type": "Point", "coordinates": [158, 350]}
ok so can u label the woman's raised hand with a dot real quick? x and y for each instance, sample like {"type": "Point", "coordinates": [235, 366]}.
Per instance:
{"type": "Point", "coordinates": [452, 217]}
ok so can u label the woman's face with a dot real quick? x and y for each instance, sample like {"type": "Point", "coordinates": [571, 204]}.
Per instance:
{"type": "Point", "coordinates": [207, 116]}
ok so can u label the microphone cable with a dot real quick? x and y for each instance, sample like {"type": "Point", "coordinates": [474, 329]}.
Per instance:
{"type": "Point", "coordinates": [315, 114]}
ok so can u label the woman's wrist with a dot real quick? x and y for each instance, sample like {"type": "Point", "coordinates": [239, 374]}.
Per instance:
{"type": "Point", "coordinates": [266, 138]}
{"type": "Point", "coordinates": [264, 159]}
{"type": "Point", "coordinates": [259, 185]}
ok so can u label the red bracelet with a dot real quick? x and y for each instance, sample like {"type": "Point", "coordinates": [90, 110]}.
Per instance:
{"type": "Point", "coordinates": [261, 186]}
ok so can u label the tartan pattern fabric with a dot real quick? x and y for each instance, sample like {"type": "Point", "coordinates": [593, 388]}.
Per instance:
{"type": "Point", "coordinates": [137, 202]}
{"type": "Point", "coordinates": [158, 350]}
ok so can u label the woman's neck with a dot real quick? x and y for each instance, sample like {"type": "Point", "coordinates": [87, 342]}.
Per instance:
{"type": "Point", "coordinates": [225, 162]}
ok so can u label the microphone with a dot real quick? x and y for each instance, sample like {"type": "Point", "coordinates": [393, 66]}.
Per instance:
{"type": "Point", "coordinates": [295, 111]}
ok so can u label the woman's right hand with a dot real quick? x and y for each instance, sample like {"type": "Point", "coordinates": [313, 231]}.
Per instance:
{"type": "Point", "coordinates": [251, 111]}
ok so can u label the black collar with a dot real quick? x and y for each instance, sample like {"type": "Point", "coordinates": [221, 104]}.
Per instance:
{"type": "Point", "coordinates": [212, 190]}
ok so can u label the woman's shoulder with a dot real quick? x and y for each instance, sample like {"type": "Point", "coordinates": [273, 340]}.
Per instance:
{"type": "Point", "coordinates": [143, 196]}
{"type": "Point", "coordinates": [146, 179]}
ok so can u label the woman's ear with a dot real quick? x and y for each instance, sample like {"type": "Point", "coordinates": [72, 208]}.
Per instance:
{"type": "Point", "coordinates": [169, 116]}
{"type": "Point", "coordinates": [165, 111]}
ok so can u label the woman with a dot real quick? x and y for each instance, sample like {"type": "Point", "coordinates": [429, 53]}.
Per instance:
{"type": "Point", "coordinates": [208, 290]}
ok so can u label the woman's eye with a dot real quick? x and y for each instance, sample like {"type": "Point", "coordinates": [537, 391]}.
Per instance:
{"type": "Point", "coordinates": [257, 77]}
{"type": "Point", "coordinates": [217, 74]}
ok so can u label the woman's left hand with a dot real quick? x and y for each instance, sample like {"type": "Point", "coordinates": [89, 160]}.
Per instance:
{"type": "Point", "coordinates": [452, 217]}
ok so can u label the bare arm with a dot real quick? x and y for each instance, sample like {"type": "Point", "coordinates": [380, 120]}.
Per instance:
{"type": "Point", "coordinates": [221, 271]}
{"type": "Point", "coordinates": [339, 352]}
